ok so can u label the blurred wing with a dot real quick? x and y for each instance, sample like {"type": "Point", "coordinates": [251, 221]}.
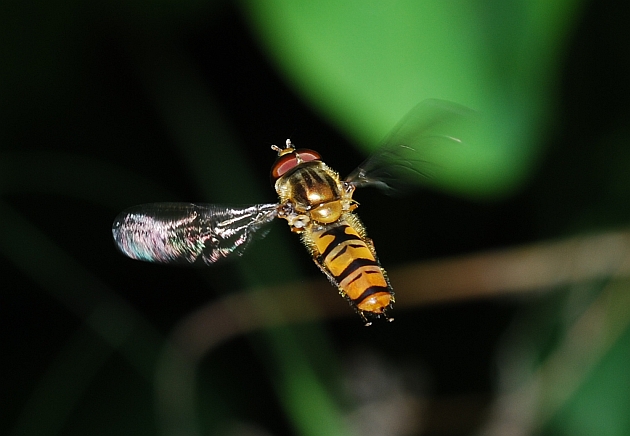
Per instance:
{"type": "Point", "coordinates": [405, 152]}
{"type": "Point", "coordinates": [189, 233]}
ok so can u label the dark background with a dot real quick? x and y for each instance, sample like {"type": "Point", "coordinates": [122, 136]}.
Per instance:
{"type": "Point", "coordinates": [84, 136]}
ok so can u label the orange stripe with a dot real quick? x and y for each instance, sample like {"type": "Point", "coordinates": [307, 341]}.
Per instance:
{"type": "Point", "coordinates": [365, 278]}
{"type": "Point", "coordinates": [344, 246]}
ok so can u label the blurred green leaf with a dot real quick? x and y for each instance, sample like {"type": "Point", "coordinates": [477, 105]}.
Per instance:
{"type": "Point", "coordinates": [365, 64]}
{"type": "Point", "coordinates": [597, 351]}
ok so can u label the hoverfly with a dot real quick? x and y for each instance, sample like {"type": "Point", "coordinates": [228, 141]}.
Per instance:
{"type": "Point", "coordinates": [313, 199]}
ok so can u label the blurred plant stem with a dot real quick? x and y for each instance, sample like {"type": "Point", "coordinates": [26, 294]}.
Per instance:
{"type": "Point", "coordinates": [535, 268]}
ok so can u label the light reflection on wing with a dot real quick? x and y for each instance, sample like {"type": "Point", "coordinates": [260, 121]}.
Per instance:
{"type": "Point", "coordinates": [402, 156]}
{"type": "Point", "coordinates": [189, 233]}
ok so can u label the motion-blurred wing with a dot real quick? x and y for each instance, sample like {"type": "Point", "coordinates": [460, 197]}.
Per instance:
{"type": "Point", "coordinates": [405, 152]}
{"type": "Point", "coordinates": [189, 233]}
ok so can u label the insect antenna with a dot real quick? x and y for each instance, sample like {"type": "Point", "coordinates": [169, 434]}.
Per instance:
{"type": "Point", "coordinates": [282, 151]}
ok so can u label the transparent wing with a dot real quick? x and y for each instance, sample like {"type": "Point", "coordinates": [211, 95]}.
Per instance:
{"type": "Point", "coordinates": [189, 233]}
{"type": "Point", "coordinates": [405, 153]}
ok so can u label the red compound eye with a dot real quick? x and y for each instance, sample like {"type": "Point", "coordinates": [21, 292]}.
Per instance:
{"type": "Point", "coordinates": [308, 155]}
{"type": "Point", "coordinates": [289, 161]}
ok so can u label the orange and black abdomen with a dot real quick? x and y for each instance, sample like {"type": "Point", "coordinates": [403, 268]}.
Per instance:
{"type": "Point", "coordinates": [346, 256]}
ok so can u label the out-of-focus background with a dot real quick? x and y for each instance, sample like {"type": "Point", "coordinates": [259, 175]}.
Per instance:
{"type": "Point", "coordinates": [511, 263]}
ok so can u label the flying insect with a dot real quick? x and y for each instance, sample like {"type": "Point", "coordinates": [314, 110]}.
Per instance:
{"type": "Point", "coordinates": [316, 203]}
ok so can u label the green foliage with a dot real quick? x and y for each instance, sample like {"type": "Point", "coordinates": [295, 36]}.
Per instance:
{"type": "Point", "coordinates": [365, 64]}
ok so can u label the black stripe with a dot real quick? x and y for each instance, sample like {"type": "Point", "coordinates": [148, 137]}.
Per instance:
{"type": "Point", "coordinates": [370, 291]}
{"type": "Point", "coordinates": [307, 177]}
{"type": "Point", "coordinates": [345, 248]}
{"type": "Point", "coordinates": [305, 182]}
{"type": "Point", "coordinates": [313, 178]}
{"type": "Point", "coordinates": [354, 265]}
{"type": "Point", "coordinates": [300, 189]}
{"type": "Point", "coordinates": [339, 235]}
{"type": "Point", "coordinates": [316, 177]}
{"type": "Point", "coordinates": [358, 276]}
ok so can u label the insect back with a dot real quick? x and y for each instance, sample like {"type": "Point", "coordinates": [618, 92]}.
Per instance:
{"type": "Point", "coordinates": [318, 205]}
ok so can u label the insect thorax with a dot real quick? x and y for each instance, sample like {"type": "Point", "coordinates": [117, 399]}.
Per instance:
{"type": "Point", "coordinates": [313, 193]}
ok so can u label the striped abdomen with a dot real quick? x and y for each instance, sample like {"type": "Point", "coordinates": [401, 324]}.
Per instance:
{"type": "Point", "coordinates": [345, 255]}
